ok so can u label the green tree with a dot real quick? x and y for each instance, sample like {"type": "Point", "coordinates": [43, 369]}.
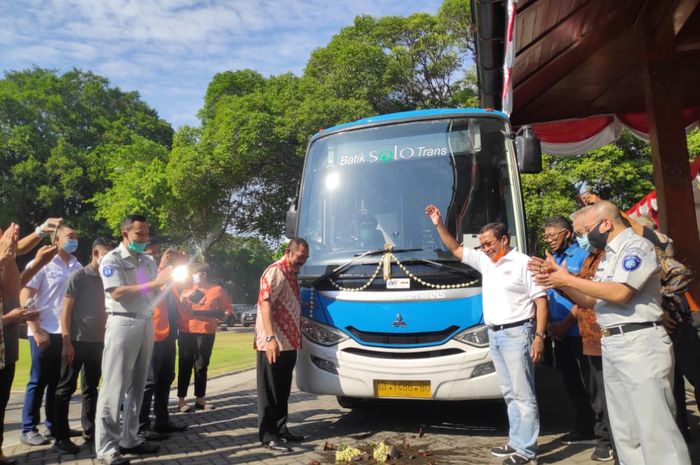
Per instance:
{"type": "Point", "coordinates": [400, 63]}
{"type": "Point", "coordinates": [58, 135]}
{"type": "Point", "coordinates": [237, 263]}
{"type": "Point", "coordinates": [620, 172]}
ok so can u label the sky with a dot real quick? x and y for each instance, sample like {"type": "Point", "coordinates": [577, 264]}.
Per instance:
{"type": "Point", "coordinates": [168, 50]}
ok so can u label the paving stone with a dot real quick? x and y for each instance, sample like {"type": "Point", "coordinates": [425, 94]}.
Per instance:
{"type": "Point", "coordinates": [457, 433]}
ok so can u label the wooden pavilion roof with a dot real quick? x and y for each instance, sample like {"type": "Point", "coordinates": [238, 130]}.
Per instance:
{"type": "Point", "coordinates": [578, 58]}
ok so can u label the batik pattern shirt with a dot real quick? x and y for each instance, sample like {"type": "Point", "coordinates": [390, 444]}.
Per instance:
{"type": "Point", "coordinates": [279, 286]}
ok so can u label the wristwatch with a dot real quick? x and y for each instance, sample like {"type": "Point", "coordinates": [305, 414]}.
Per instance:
{"type": "Point", "coordinates": [542, 335]}
{"type": "Point", "coordinates": [269, 338]}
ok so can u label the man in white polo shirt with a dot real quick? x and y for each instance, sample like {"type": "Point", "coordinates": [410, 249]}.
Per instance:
{"type": "Point", "coordinates": [47, 287]}
{"type": "Point", "coordinates": [515, 308]}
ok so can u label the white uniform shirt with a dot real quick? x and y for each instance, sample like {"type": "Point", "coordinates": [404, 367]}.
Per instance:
{"type": "Point", "coordinates": [120, 268]}
{"type": "Point", "coordinates": [508, 287]}
{"type": "Point", "coordinates": [630, 259]}
{"type": "Point", "coordinates": [50, 283]}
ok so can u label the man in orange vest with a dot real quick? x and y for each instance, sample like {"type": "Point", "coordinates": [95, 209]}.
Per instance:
{"type": "Point", "coordinates": [166, 316]}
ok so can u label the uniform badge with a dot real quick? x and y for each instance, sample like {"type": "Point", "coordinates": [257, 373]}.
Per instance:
{"type": "Point", "coordinates": [108, 271]}
{"type": "Point", "coordinates": [631, 262]}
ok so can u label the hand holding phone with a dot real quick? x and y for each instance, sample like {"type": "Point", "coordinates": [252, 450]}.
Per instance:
{"type": "Point", "coordinates": [195, 296]}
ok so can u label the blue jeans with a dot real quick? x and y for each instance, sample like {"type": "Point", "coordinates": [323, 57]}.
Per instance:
{"type": "Point", "coordinates": [43, 376]}
{"type": "Point", "coordinates": [510, 351]}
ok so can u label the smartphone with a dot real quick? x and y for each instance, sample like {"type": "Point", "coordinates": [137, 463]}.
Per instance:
{"type": "Point", "coordinates": [196, 296]}
{"type": "Point", "coordinates": [55, 231]}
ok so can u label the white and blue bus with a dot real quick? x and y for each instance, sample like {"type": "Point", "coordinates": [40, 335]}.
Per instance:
{"type": "Point", "coordinates": [387, 311]}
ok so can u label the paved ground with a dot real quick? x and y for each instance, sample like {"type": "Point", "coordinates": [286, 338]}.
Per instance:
{"type": "Point", "coordinates": [451, 433]}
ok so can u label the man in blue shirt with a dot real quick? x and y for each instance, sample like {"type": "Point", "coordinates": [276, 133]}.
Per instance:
{"type": "Point", "coordinates": [568, 350]}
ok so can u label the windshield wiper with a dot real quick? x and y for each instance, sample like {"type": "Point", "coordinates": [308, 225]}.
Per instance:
{"type": "Point", "coordinates": [347, 265]}
{"type": "Point", "coordinates": [469, 273]}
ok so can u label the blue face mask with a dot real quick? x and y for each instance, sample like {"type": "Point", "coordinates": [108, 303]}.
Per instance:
{"type": "Point", "coordinates": [70, 246]}
{"type": "Point", "coordinates": [583, 243]}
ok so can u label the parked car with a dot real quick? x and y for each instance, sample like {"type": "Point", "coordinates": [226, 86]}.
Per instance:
{"type": "Point", "coordinates": [248, 318]}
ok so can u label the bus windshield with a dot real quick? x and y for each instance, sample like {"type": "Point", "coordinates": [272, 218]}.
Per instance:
{"type": "Point", "coordinates": [368, 187]}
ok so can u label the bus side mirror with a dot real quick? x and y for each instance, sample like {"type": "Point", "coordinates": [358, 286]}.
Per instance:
{"type": "Point", "coordinates": [528, 151]}
{"type": "Point", "coordinates": [292, 214]}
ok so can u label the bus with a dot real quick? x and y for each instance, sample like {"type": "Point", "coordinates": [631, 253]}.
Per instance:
{"type": "Point", "coordinates": [387, 311]}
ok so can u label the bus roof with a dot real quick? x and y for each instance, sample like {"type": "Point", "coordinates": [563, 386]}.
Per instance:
{"type": "Point", "coordinates": [411, 115]}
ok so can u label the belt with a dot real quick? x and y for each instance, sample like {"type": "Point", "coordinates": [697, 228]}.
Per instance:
{"type": "Point", "coordinates": [510, 325]}
{"type": "Point", "coordinates": [628, 328]}
{"type": "Point", "coordinates": [140, 316]}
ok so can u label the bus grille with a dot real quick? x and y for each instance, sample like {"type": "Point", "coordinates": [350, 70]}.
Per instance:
{"type": "Point", "coordinates": [402, 338]}
{"type": "Point", "coordinates": [403, 355]}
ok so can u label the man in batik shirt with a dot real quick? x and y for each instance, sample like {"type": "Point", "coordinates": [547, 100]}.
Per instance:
{"type": "Point", "coordinates": [277, 339]}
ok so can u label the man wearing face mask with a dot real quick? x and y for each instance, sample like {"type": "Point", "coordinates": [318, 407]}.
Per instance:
{"type": "Point", "coordinates": [637, 352]}
{"type": "Point", "coordinates": [515, 309]}
{"type": "Point", "coordinates": [591, 368]}
{"type": "Point", "coordinates": [161, 374]}
{"type": "Point", "coordinates": [132, 289]}
{"type": "Point", "coordinates": [47, 287]}
{"type": "Point", "coordinates": [205, 305]}
{"type": "Point", "coordinates": [568, 350]}
{"type": "Point", "coordinates": [82, 327]}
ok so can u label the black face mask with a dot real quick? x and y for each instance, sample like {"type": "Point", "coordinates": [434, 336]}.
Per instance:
{"type": "Point", "coordinates": [597, 239]}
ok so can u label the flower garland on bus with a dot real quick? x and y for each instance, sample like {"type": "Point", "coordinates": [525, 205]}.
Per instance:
{"type": "Point", "coordinates": [385, 262]}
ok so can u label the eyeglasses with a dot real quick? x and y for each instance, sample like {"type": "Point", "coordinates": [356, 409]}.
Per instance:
{"type": "Point", "coordinates": [588, 229]}
{"type": "Point", "coordinates": [552, 236]}
{"type": "Point", "coordinates": [488, 243]}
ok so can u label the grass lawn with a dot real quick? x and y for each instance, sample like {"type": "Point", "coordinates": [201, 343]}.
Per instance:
{"type": "Point", "coordinates": [233, 351]}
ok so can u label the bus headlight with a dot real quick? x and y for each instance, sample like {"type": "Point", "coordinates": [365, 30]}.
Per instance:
{"type": "Point", "coordinates": [320, 333]}
{"type": "Point", "coordinates": [478, 336]}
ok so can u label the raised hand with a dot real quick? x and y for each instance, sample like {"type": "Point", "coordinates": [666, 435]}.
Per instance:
{"type": "Point", "coordinates": [45, 254]}
{"type": "Point", "coordinates": [434, 214]}
{"type": "Point", "coordinates": [8, 243]}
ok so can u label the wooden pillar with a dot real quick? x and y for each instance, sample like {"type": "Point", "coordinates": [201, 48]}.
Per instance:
{"type": "Point", "coordinates": [664, 105]}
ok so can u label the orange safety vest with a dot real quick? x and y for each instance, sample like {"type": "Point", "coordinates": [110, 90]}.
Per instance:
{"type": "Point", "coordinates": [161, 323]}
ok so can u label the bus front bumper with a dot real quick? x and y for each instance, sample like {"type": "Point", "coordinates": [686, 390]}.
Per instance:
{"type": "Point", "coordinates": [453, 371]}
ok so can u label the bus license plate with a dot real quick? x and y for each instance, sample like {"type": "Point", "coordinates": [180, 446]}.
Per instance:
{"type": "Point", "coordinates": [413, 389]}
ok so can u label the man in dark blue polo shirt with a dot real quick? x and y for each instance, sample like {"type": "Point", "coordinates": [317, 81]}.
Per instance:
{"type": "Point", "coordinates": [568, 349]}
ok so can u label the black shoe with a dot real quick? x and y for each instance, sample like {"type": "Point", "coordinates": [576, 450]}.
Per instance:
{"type": "Point", "coordinates": [203, 407]}
{"type": "Point", "coordinates": [65, 446]}
{"type": "Point", "coordinates": [516, 459]}
{"type": "Point", "coordinates": [503, 451]}
{"type": "Point", "coordinates": [578, 438]}
{"type": "Point", "coordinates": [289, 437]}
{"type": "Point", "coordinates": [169, 427]}
{"type": "Point", "coordinates": [8, 461]}
{"type": "Point", "coordinates": [277, 445]}
{"type": "Point", "coordinates": [148, 435]}
{"type": "Point", "coordinates": [602, 454]}
{"type": "Point", "coordinates": [143, 448]}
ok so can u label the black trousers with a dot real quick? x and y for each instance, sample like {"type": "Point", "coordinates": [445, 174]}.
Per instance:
{"type": "Point", "coordinates": [686, 348]}
{"type": "Point", "coordinates": [195, 352]}
{"type": "Point", "coordinates": [88, 361]}
{"type": "Point", "coordinates": [7, 375]}
{"type": "Point", "coordinates": [160, 377]}
{"type": "Point", "coordinates": [274, 386]}
{"type": "Point", "coordinates": [575, 372]}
